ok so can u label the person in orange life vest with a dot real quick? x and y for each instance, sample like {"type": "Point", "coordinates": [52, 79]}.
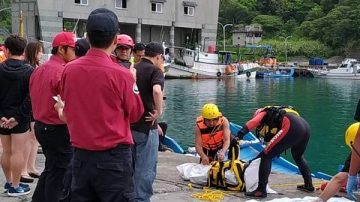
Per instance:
{"type": "Point", "coordinates": [282, 128]}
{"type": "Point", "coordinates": [212, 134]}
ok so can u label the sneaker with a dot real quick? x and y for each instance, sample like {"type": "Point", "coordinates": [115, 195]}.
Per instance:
{"type": "Point", "coordinates": [8, 185]}
{"type": "Point", "coordinates": [19, 191]}
{"type": "Point", "coordinates": [304, 188]}
{"type": "Point", "coordinates": [256, 194]}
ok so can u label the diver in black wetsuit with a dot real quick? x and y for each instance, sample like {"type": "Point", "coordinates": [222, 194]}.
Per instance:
{"type": "Point", "coordinates": [282, 128]}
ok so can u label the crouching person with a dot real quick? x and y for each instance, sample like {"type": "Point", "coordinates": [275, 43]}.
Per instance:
{"type": "Point", "coordinates": [212, 134]}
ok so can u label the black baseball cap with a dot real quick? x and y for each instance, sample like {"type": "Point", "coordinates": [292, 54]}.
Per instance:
{"type": "Point", "coordinates": [81, 47]}
{"type": "Point", "coordinates": [154, 48]}
{"type": "Point", "coordinates": [102, 22]}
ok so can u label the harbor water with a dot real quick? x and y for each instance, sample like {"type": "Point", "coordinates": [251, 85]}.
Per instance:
{"type": "Point", "coordinates": [327, 104]}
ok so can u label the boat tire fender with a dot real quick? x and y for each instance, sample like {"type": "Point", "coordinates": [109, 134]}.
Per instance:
{"type": "Point", "coordinates": [218, 74]}
{"type": "Point", "coordinates": [248, 74]}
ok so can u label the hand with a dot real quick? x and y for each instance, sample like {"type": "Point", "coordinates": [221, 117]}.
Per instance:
{"type": "Point", "coordinates": [59, 105]}
{"type": "Point", "coordinates": [153, 116]}
{"type": "Point", "coordinates": [3, 121]}
{"type": "Point", "coordinates": [351, 186]}
{"type": "Point", "coordinates": [8, 123]}
{"type": "Point", "coordinates": [221, 155]}
{"type": "Point", "coordinates": [160, 131]}
{"type": "Point", "coordinates": [205, 160]}
{"type": "Point", "coordinates": [12, 123]}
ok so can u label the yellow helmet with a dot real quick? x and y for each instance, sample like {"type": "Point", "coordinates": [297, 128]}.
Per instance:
{"type": "Point", "coordinates": [210, 111]}
{"type": "Point", "coordinates": [350, 133]}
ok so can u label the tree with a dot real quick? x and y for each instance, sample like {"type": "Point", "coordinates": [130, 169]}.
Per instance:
{"type": "Point", "coordinates": [270, 24]}
{"type": "Point", "coordinates": [5, 15]}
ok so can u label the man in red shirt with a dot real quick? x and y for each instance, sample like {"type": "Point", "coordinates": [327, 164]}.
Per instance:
{"type": "Point", "coordinates": [101, 100]}
{"type": "Point", "coordinates": [50, 131]}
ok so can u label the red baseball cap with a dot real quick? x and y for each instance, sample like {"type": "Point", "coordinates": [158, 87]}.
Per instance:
{"type": "Point", "coordinates": [64, 39]}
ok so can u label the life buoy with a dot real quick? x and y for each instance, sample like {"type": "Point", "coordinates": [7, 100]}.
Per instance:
{"type": "Point", "coordinates": [248, 74]}
{"type": "Point", "coordinates": [218, 74]}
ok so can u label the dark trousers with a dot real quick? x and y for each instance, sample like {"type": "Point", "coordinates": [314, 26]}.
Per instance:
{"type": "Point", "coordinates": [105, 176]}
{"type": "Point", "coordinates": [55, 143]}
{"type": "Point", "coordinates": [297, 139]}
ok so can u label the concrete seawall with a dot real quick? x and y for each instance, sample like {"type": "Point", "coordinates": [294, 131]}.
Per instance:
{"type": "Point", "coordinates": [169, 186]}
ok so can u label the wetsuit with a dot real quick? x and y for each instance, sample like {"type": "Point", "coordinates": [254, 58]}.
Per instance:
{"type": "Point", "coordinates": [292, 132]}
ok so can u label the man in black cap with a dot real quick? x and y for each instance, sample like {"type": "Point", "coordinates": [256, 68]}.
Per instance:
{"type": "Point", "coordinates": [81, 47]}
{"type": "Point", "coordinates": [98, 114]}
{"type": "Point", "coordinates": [150, 80]}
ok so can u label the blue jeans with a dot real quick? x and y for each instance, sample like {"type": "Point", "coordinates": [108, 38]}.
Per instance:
{"type": "Point", "coordinates": [145, 158]}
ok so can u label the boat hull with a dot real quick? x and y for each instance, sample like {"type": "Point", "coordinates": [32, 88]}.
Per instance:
{"type": "Point", "coordinates": [182, 72]}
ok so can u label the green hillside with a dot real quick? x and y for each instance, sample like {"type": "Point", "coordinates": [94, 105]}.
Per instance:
{"type": "Point", "coordinates": [317, 27]}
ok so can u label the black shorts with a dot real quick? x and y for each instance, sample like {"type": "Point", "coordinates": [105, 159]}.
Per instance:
{"type": "Point", "coordinates": [347, 164]}
{"type": "Point", "coordinates": [20, 128]}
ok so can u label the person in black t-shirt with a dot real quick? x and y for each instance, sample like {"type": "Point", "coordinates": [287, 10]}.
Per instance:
{"type": "Point", "coordinates": [150, 81]}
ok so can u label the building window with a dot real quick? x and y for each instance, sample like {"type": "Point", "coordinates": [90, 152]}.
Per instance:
{"type": "Point", "coordinates": [157, 7]}
{"type": "Point", "coordinates": [189, 10]}
{"type": "Point", "coordinates": [81, 2]}
{"type": "Point", "coordinates": [120, 4]}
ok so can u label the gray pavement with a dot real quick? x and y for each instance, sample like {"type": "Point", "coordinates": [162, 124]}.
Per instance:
{"type": "Point", "coordinates": [169, 186]}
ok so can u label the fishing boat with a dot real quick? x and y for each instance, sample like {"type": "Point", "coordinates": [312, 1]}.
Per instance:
{"type": "Point", "coordinates": [280, 73]}
{"type": "Point", "coordinates": [348, 69]}
{"type": "Point", "coordinates": [198, 64]}
{"type": "Point", "coordinates": [250, 150]}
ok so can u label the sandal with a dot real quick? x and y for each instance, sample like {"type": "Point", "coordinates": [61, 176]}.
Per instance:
{"type": "Point", "coordinates": [26, 179]}
{"type": "Point", "coordinates": [34, 175]}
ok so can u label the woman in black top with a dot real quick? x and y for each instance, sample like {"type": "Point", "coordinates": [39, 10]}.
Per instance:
{"type": "Point", "coordinates": [14, 113]}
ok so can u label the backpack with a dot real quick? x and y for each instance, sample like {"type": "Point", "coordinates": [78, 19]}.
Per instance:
{"type": "Point", "coordinates": [216, 176]}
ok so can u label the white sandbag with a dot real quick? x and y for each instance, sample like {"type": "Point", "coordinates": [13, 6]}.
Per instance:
{"type": "Point", "coordinates": [230, 178]}
{"type": "Point", "coordinates": [195, 172]}
{"type": "Point", "coordinates": [185, 169]}
{"type": "Point", "coordinates": [251, 177]}
{"type": "Point", "coordinates": [199, 174]}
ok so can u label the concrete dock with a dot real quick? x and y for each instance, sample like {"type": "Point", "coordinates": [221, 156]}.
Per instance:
{"type": "Point", "coordinates": [170, 187]}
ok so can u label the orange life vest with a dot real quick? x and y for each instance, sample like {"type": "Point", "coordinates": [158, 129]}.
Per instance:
{"type": "Point", "coordinates": [212, 138]}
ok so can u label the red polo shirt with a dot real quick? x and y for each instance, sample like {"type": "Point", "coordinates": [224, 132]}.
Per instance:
{"type": "Point", "coordinates": [101, 100]}
{"type": "Point", "coordinates": [44, 84]}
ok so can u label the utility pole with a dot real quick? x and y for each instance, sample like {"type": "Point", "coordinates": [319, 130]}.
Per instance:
{"type": "Point", "coordinates": [286, 38]}
{"type": "Point", "coordinates": [223, 28]}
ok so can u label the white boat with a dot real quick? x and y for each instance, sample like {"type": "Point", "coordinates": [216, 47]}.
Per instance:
{"type": "Point", "coordinates": [197, 64]}
{"type": "Point", "coordinates": [348, 69]}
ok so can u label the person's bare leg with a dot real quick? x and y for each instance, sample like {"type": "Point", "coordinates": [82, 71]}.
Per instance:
{"type": "Point", "coordinates": [333, 186]}
{"type": "Point", "coordinates": [17, 156]}
{"type": "Point", "coordinates": [26, 152]}
{"type": "Point", "coordinates": [31, 164]}
{"type": "Point", "coordinates": [5, 157]}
